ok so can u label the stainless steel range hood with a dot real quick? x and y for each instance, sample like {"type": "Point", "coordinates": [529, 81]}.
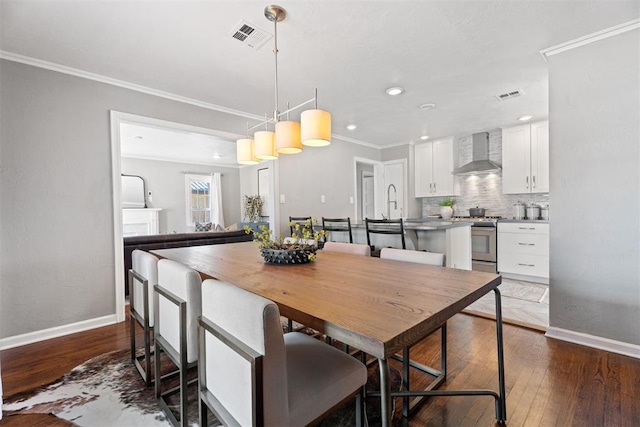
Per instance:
{"type": "Point", "coordinates": [480, 163]}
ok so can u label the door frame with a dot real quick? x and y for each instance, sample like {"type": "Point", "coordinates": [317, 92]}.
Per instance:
{"type": "Point", "coordinates": [117, 118]}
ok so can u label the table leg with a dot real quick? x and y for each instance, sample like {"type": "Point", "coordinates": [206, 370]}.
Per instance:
{"type": "Point", "coordinates": [385, 393]}
{"type": "Point", "coordinates": [501, 412]}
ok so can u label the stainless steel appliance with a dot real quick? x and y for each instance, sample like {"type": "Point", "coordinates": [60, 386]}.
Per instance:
{"type": "Point", "coordinates": [484, 243]}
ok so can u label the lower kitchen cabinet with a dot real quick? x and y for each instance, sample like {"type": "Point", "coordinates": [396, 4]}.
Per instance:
{"type": "Point", "coordinates": [523, 250]}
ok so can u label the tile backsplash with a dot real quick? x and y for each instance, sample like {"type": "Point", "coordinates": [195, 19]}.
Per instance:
{"type": "Point", "coordinates": [483, 191]}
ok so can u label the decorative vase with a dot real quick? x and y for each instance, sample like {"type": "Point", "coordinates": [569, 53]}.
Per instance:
{"type": "Point", "coordinates": [286, 256]}
{"type": "Point", "coordinates": [446, 212]}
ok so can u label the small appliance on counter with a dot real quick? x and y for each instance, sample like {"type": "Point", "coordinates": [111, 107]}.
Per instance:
{"type": "Point", "coordinates": [519, 210]}
{"type": "Point", "coordinates": [533, 211]}
{"type": "Point", "coordinates": [544, 212]}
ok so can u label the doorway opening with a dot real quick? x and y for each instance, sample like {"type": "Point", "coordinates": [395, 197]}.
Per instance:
{"type": "Point", "coordinates": [119, 123]}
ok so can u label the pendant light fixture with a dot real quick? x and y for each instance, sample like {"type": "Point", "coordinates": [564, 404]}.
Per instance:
{"type": "Point", "coordinates": [245, 153]}
{"type": "Point", "coordinates": [314, 129]}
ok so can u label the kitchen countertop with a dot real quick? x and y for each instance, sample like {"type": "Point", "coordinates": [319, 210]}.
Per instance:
{"type": "Point", "coordinates": [426, 224]}
{"type": "Point", "coordinates": [534, 221]}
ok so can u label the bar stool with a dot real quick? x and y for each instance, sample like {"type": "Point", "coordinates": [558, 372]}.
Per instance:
{"type": "Point", "coordinates": [342, 225]}
{"type": "Point", "coordinates": [301, 220]}
{"type": "Point", "coordinates": [384, 226]}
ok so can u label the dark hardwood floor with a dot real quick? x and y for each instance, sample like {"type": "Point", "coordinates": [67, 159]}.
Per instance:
{"type": "Point", "coordinates": [549, 382]}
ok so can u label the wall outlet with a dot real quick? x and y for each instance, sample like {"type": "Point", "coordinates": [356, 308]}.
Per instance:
{"type": "Point", "coordinates": [282, 199]}
{"type": "Point", "coordinates": [351, 200]}
{"type": "Point", "coordinates": [322, 200]}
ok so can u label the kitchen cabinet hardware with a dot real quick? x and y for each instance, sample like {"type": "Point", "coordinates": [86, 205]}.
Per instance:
{"type": "Point", "coordinates": [523, 252]}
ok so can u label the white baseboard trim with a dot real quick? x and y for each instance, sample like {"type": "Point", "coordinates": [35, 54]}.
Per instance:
{"type": "Point", "coordinates": [58, 331]}
{"type": "Point", "coordinates": [626, 349]}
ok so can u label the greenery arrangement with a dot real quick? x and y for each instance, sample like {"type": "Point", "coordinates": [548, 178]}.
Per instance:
{"type": "Point", "coordinates": [447, 202]}
{"type": "Point", "coordinates": [252, 208]}
{"type": "Point", "coordinates": [300, 238]}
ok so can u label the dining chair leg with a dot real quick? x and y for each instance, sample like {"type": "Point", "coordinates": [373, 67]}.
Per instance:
{"type": "Point", "coordinates": [359, 409]}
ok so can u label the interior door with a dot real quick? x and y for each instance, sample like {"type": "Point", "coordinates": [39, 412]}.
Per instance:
{"type": "Point", "coordinates": [368, 195]}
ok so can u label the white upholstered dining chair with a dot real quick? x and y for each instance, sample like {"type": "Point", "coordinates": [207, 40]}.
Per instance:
{"type": "Point", "coordinates": [418, 257]}
{"type": "Point", "coordinates": [250, 373]}
{"type": "Point", "coordinates": [348, 248]}
{"type": "Point", "coordinates": [177, 302]}
{"type": "Point", "coordinates": [143, 275]}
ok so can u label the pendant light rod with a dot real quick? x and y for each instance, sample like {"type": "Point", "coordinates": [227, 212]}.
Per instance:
{"type": "Point", "coordinates": [276, 116]}
{"type": "Point", "coordinates": [280, 114]}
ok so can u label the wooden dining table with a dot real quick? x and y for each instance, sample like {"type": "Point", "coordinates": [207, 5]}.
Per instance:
{"type": "Point", "coordinates": [375, 305]}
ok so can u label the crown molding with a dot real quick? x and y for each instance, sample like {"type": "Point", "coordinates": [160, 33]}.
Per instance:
{"type": "Point", "coordinates": [591, 38]}
{"type": "Point", "coordinates": [10, 56]}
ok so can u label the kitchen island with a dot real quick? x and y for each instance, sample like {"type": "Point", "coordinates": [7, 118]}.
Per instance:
{"type": "Point", "coordinates": [426, 234]}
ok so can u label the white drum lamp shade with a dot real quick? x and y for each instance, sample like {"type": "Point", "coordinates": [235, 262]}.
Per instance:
{"type": "Point", "coordinates": [288, 137]}
{"type": "Point", "coordinates": [244, 152]}
{"type": "Point", "coordinates": [316, 128]}
{"type": "Point", "coordinates": [265, 145]}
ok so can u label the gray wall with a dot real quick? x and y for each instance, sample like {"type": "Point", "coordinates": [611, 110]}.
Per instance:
{"type": "Point", "coordinates": [167, 183]}
{"type": "Point", "coordinates": [57, 257]}
{"type": "Point", "coordinates": [594, 125]}
{"type": "Point", "coordinates": [317, 171]}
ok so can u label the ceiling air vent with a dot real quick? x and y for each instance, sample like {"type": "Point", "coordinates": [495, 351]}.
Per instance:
{"type": "Point", "coordinates": [249, 34]}
{"type": "Point", "coordinates": [508, 95]}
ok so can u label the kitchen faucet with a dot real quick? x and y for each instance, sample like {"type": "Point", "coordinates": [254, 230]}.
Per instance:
{"type": "Point", "coordinates": [389, 201]}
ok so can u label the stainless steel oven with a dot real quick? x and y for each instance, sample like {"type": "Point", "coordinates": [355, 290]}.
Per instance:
{"type": "Point", "coordinates": [484, 248]}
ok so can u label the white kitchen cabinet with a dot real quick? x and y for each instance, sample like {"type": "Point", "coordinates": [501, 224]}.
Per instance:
{"type": "Point", "coordinates": [523, 251]}
{"type": "Point", "coordinates": [525, 158]}
{"type": "Point", "coordinates": [433, 166]}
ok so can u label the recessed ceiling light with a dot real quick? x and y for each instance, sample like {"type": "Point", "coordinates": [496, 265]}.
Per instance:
{"type": "Point", "coordinates": [525, 118]}
{"type": "Point", "coordinates": [138, 137]}
{"type": "Point", "coordinates": [393, 91]}
{"type": "Point", "coordinates": [351, 127]}
{"type": "Point", "coordinates": [424, 137]}
{"type": "Point", "coordinates": [216, 156]}
{"type": "Point", "coordinates": [427, 106]}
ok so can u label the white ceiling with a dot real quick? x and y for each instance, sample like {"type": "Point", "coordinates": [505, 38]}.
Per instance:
{"type": "Point", "coordinates": [455, 54]}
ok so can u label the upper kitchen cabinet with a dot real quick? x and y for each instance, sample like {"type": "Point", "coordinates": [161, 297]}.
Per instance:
{"type": "Point", "coordinates": [433, 166]}
{"type": "Point", "coordinates": [525, 158]}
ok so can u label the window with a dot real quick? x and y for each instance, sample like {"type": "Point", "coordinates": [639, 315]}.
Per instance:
{"type": "Point", "coordinates": [199, 195]}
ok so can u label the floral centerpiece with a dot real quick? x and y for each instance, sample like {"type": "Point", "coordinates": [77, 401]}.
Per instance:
{"type": "Point", "coordinates": [300, 248]}
{"type": "Point", "coordinates": [252, 207]}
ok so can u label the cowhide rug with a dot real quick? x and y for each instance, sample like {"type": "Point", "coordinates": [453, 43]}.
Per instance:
{"type": "Point", "coordinates": [107, 391]}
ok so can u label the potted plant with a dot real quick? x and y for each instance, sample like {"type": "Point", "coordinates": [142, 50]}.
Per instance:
{"type": "Point", "coordinates": [300, 248]}
{"type": "Point", "coordinates": [446, 208]}
{"type": "Point", "coordinates": [252, 208]}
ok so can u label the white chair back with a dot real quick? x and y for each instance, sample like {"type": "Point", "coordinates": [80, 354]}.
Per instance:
{"type": "Point", "coordinates": [347, 248]}
{"type": "Point", "coordinates": [419, 257]}
{"type": "Point", "coordinates": [185, 283]}
{"type": "Point", "coordinates": [145, 265]}
{"type": "Point", "coordinates": [254, 321]}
